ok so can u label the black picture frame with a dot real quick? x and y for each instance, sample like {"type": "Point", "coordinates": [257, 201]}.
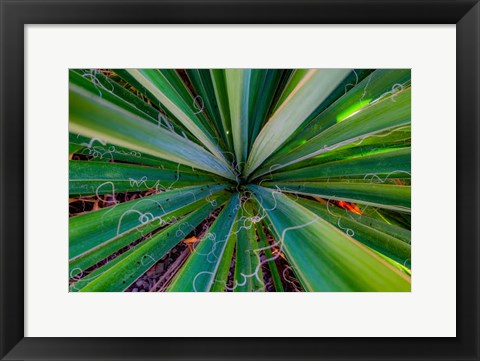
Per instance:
{"type": "Point", "coordinates": [16, 14]}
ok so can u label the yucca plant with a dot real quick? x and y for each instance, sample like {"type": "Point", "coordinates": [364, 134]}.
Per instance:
{"type": "Point", "coordinates": [240, 179]}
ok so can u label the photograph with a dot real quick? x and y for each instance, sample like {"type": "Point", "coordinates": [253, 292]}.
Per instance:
{"type": "Point", "coordinates": [235, 149]}
{"type": "Point", "coordinates": [239, 180]}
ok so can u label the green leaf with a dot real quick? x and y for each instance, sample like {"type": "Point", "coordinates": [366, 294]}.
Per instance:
{"type": "Point", "coordinates": [376, 167]}
{"type": "Point", "coordinates": [379, 84]}
{"type": "Point", "coordinates": [165, 118]}
{"type": "Point", "coordinates": [321, 157]}
{"type": "Point", "coordinates": [206, 99]}
{"type": "Point", "coordinates": [324, 258]}
{"type": "Point", "coordinates": [97, 254]}
{"type": "Point", "coordinates": [314, 87]}
{"type": "Point", "coordinates": [267, 249]}
{"type": "Point", "coordinates": [95, 178]}
{"type": "Point", "coordinates": [220, 88]}
{"type": "Point", "coordinates": [99, 84]}
{"type": "Point", "coordinates": [294, 79]}
{"type": "Point", "coordinates": [377, 235]}
{"type": "Point", "coordinates": [169, 90]}
{"type": "Point", "coordinates": [389, 140]}
{"type": "Point", "coordinates": [378, 195]}
{"type": "Point", "coordinates": [221, 278]}
{"type": "Point", "coordinates": [124, 270]}
{"type": "Point", "coordinates": [238, 86]}
{"type": "Point", "coordinates": [402, 220]}
{"type": "Point", "coordinates": [265, 87]}
{"type": "Point", "coordinates": [97, 150]}
{"type": "Point", "coordinates": [94, 117]}
{"type": "Point", "coordinates": [199, 272]}
{"type": "Point", "coordinates": [91, 230]}
{"type": "Point", "coordinates": [379, 116]}
{"type": "Point", "coordinates": [248, 271]}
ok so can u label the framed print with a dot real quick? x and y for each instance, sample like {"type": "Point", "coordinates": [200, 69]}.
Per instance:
{"type": "Point", "coordinates": [240, 180]}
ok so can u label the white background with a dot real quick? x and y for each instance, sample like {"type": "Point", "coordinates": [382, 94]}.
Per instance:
{"type": "Point", "coordinates": [429, 310]}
